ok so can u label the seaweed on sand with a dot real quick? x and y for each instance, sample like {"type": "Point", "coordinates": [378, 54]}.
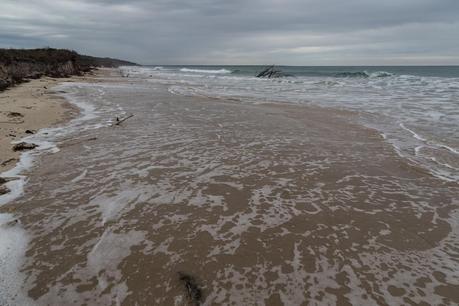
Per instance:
{"type": "Point", "coordinates": [193, 291]}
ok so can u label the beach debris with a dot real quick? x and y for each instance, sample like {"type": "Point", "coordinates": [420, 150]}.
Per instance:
{"type": "Point", "coordinates": [4, 180]}
{"type": "Point", "coordinates": [10, 223]}
{"type": "Point", "coordinates": [13, 222]}
{"type": "Point", "coordinates": [3, 190]}
{"type": "Point", "coordinates": [119, 121]}
{"type": "Point", "coordinates": [13, 122]}
{"type": "Point", "coordinates": [22, 146]}
{"type": "Point", "coordinates": [30, 131]}
{"type": "Point", "coordinates": [193, 291]}
{"type": "Point", "coordinates": [14, 117]}
{"type": "Point", "coordinates": [6, 162]}
{"type": "Point", "coordinates": [15, 114]}
{"type": "Point", "coordinates": [271, 72]}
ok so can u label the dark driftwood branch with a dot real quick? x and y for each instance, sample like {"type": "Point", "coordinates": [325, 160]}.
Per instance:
{"type": "Point", "coordinates": [119, 121]}
{"type": "Point", "coordinates": [265, 72]}
{"type": "Point", "coordinates": [6, 162]}
{"type": "Point", "coordinates": [270, 72]}
{"type": "Point", "coordinates": [12, 122]}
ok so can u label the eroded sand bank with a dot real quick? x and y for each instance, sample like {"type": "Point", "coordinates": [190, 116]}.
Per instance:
{"type": "Point", "coordinates": [262, 204]}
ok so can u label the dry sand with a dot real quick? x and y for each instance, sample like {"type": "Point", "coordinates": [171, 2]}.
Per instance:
{"type": "Point", "coordinates": [29, 107]}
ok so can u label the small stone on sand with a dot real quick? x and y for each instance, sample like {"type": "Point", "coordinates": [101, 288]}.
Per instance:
{"type": "Point", "coordinates": [22, 146]}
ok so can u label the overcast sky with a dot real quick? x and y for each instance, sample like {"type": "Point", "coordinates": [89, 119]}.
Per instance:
{"type": "Point", "coordinates": [292, 32]}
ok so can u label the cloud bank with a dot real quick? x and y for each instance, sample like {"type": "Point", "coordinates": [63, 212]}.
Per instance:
{"type": "Point", "coordinates": [292, 32]}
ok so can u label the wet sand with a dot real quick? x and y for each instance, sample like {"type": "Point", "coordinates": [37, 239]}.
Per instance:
{"type": "Point", "coordinates": [262, 204]}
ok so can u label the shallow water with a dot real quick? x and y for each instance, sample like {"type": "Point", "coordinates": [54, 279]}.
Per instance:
{"type": "Point", "coordinates": [263, 204]}
{"type": "Point", "coordinates": [416, 108]}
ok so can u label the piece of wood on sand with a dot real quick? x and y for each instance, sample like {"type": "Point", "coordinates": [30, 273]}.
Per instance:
{"type": "Point", "coordinates": [119, 121]}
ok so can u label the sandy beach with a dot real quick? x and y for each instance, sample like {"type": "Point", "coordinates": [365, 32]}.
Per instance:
{"type": "Point", "coordinates": [247, 204]}
{"type": "Point", "coordinates": [200, 153]}
{"type": "Point", "coordinates": [25, 109]}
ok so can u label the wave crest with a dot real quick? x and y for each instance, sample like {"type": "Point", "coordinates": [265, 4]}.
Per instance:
{"type": "Point", "coordinates": [363, 74]}
{"type": "Point", "coordinates": [219, 71]}
{"type": "Point", "coordinates": [381, 74]}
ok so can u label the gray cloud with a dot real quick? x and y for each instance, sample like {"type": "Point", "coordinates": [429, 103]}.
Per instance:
{"type": "Point", "coordinates": [326, 32]}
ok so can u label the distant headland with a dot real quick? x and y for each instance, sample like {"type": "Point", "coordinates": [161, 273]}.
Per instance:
{"type": "Point", "coordinates": [20, 65]}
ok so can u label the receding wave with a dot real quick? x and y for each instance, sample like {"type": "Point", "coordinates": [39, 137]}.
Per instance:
{"type": "Point", "coordinates": [363, 74]}
{"type": "Point", "coordinates": [219, 71]}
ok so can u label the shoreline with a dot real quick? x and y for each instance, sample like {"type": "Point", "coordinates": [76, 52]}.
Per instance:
{"type": "Point", "coordinates": [27, 108]}
{"type": "Point", "coordinates": [31, 107]}
{"type": "Point", "coordinates": [36, 107]}
{"type": "Point", "coordinates": [194, 177]}
{"type": "Point", "coordinates": [44, 109]}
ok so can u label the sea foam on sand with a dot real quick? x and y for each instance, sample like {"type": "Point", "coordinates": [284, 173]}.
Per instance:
{"type": "Point", "coordinates": [13, 244]}
{"type": "Point", "coordinates": [13, 238]}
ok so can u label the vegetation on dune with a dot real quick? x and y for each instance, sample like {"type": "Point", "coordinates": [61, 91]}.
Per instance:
{"type": "Point", "coordinates": [19, 65]}
{"type": "Point", "coordinates": [45, 55]}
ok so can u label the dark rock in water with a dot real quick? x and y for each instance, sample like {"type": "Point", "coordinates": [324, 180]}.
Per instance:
{"type": "Point", "coordinates": [3, 180]}
{"type": "Point", "coordinates": [193, 291]}
{"type": "Point", "coordinates": [22, 146]}
{"type": "Point", "coordinates": [30, 132]}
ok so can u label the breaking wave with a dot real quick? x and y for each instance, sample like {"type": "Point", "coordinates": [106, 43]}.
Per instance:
{"type": "Point", "coordinates": [363, 74]}
{"type": "Point", "coordinates": [219, 71]}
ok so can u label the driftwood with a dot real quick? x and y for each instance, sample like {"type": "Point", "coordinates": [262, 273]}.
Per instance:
{"type": "Point", "coordinates": [12, 122]}
{"type": "Point", "coordinates": [4, 180]}
{"type": "Point", "coordinates": [193, 291]}
{"type": "Point", "coordinates": [6, 162]}
{"type": "Point", "coordinates": [119, 121]}
{"type": "Point", "coordinates": [270, 72]}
